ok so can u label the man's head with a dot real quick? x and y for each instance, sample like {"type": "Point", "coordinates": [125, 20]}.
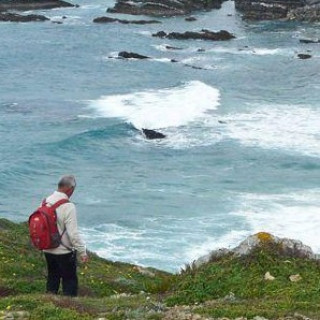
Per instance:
{"type": "Point", "coordinates": [67, 184]}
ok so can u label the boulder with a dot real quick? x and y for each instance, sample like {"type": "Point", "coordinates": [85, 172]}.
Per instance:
{"type": "Point", "coordinates": [110, 20]}
{"type": "Point", "coordinates": [25, 5]}
{"type": "Point", "coordinates": [286, 247]}
{"type": "Point", "coordinates": [204, 34]}
{"type": "Point", "coordinates": [13, 17]}
{"type": "Point", "coordinates": [152, 134]}
{"type": "Point", "coordinates": [163, 7]}
{"type": "Point", "coordinates": [131, 55]}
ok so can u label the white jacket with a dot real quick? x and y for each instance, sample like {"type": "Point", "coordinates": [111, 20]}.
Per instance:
{"type": "Point", "coordinates": [66, 220]}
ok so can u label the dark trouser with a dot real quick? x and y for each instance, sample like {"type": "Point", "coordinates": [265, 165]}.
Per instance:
{"type": "Point", "coordinates": [62, 266]}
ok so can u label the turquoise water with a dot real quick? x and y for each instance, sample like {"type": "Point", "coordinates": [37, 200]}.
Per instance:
{"type": "Point", "coordinates": [242, 153]}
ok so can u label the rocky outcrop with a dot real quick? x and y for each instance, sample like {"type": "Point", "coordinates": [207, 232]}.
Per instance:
{"type": "Point", "coordinates": [164, 8]}
{"type": "Point", "coordinates": [308, 13]}
{"type": "Point", "coordinates": [110, 20]}
{"type": "Point", "coordinates": [286, 247]}
{"type": "Point", "coordinates": [267, 9]}
{"type": "Point", "coordinates": [202, 35]}
{"type": "Point", "coordinates": [24, 5]}
{"type": "Point", "coordinates": [13, 17]}
{"type": "Point", "coordinates": [300, 10]}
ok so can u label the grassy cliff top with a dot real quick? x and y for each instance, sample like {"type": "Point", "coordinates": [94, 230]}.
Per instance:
{"type": "Point", "coordinates": [264, 283]}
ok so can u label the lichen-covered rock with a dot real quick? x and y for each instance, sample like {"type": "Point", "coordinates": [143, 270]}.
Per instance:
{"type": "Point", "coordinates": [284, 246]}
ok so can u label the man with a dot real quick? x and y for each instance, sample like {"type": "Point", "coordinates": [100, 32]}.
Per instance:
{"type": "Point", "coordinates": [62, 261]}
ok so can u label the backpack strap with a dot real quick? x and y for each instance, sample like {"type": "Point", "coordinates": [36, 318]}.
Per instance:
{"type": "Point", "coordinates": [59, 203]}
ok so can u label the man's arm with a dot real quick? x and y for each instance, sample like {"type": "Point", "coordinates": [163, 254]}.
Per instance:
{"type": "Point", "coordinates": [73, 233]}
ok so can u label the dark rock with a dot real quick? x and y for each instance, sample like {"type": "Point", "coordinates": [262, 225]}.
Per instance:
{"type": "Point", "coordinates": [110, 20]}
{"type": "Point", "coordinates": [152, 134]}
{"type": "Point", "coordinates": [309, 41]}
{"type": "Point", "coordinates": [131, 55]}
{"type": "Point", "coordinates": [24, 5]}
{"type": "Point", "coordinates": [173, 48]}
{"type": "Point", "coordinates": [174, 60]}
{"type": "Point", "coordinates": [13, 17]}
{"type": "Point", "coordinates": [194, 67]}
{"type": "Point", "coordinates": [201, 50]}
{"type": "Point", "coordinates": [57, 22]}
{"type": "Point", "coordinates": [190, 19]}
{"type": "Point", "coordinates": [267, 9]}
{"type": "Point", "coordinates": [163, 7]}
{"type": "Point", "coordinates": [221, 122]}
{"type": "Point", "coordinates": [203, 35]}
{"type": "Point", "coordinates": [160, 34]}
{"type": "Point", "coordinates": [304, 56]}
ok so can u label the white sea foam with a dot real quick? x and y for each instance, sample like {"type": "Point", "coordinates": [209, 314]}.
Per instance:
{"type": "Point", "coordinates": [165, 60]}
{"type": "Point", "coordinates": [287, 127]}
{"type": "Point", "coordinates": [164, 108]}
{"type": "Point", "coordinates": [295, 215]}
{"type": "Point", "coordinates": [251, 51]}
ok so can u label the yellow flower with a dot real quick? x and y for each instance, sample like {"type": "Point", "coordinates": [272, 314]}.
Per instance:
{"type": "Point", "coordinates": [8, 307]}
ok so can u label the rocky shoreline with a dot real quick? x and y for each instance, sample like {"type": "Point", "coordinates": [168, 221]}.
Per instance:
{"type": "Point", "coordinates": [287, 10]}
{"type": "Point", "coordinates": [263, 278]}
{"type": "Point", "coordinates": [163, 8]}
{"type": "Point", "coordinates": [24, 5]}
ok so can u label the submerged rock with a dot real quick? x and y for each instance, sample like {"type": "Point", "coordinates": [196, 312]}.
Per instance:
{"type": "Point", "coordinates": [309, 41]}
{"type": "Point", "coordinates": [13, 17]}
{"type": "Point", "coordinates": [190, 19]}
{"type": "Point", "coordinates": [204, 34]}
{"type": "Point", "coordinates": [304, 56]}
{"type": "Point", "coordinates": [131, 55]}
{"type": "Point", "coordinates": [24, 5]}
{"type": "Point", "coordinates": [110, 20]}
{"type": "Point", "coordinates": [163, 7]}
{"type": "Point", "coordinates": [173, 48]}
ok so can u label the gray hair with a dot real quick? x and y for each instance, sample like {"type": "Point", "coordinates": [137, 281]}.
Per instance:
{"type": "Point", "coordinates": [67, 181]}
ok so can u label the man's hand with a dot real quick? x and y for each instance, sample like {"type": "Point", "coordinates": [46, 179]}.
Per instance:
{"type": "Point", "coordinates": [84, 258]}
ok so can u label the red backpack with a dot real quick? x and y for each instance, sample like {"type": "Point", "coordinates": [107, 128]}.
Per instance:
{"type": "Point", "coordinates": [43, 227]}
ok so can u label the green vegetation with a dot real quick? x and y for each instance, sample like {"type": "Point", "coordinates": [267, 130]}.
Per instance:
{"type": "Point", "coordinates": [228, 287]}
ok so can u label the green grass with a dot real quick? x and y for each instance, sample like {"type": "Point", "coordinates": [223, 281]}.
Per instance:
{"type": "Point", "coordinates": [228, 287]}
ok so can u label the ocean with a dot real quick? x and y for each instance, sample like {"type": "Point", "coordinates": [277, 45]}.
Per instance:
{"type": "Point", "coordinates": [242, 149]}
